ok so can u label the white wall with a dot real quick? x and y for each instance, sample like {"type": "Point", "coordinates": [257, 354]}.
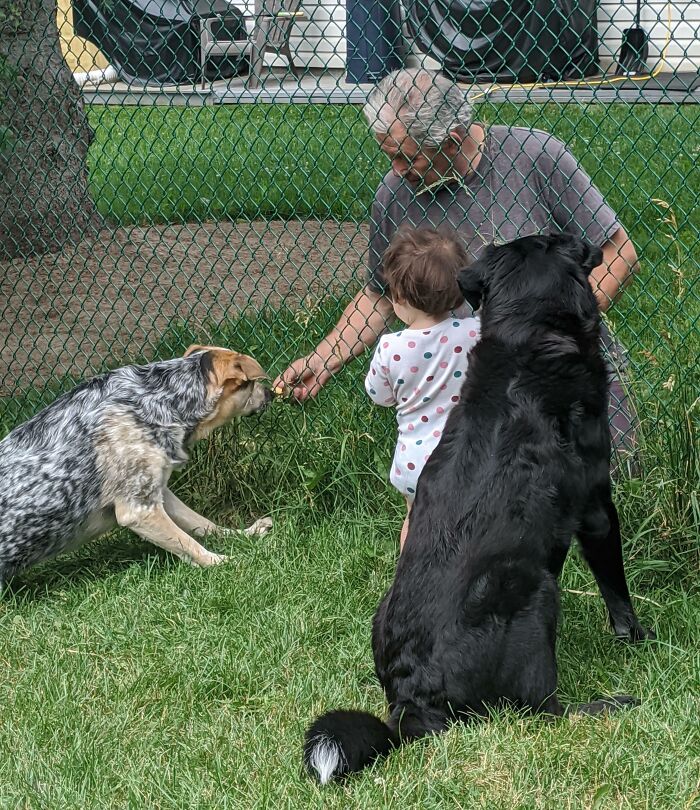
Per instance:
{"type": "Point", "coordinates": [319, 41]}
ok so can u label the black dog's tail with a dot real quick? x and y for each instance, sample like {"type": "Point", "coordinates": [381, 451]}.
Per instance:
{"type": "Point", "coordinates": [342, 742]}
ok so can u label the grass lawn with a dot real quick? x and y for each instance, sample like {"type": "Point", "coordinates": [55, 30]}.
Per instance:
{"type": "Point", "coordinates": [132, 680]}
{"type": "Point", "coordinates": [157, 164]}
{"type": "Point", "coordinates": [308, 161]}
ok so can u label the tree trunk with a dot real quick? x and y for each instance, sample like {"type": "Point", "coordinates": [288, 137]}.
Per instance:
{"type": "Point", "coordinates": [44, 135]}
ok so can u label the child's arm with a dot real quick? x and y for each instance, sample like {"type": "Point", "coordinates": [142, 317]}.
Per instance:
{"type": "Point", "coordinates": [378, 383]}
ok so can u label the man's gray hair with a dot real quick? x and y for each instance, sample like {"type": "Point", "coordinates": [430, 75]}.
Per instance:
{"type": "Point", "coordinates": [428, 104]}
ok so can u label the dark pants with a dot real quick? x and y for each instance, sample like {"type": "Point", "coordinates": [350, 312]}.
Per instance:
{"type": "Point", "coordinates": [622, 415]}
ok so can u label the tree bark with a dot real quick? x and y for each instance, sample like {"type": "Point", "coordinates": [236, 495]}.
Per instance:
{"type": "Point", "coordinates": [44, 136]}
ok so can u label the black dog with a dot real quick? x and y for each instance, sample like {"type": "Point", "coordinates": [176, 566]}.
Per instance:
{"type": "Point", "coordinates": [523, 464]}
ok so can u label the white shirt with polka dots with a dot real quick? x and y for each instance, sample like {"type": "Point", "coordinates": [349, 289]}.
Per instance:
{"type": "Point", "coordinates": [420, 371]}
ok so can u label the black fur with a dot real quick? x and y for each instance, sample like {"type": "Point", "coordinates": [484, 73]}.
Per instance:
{"type": "Point", "coordinates": [348, 741]}
{"type": "Point", "coordinates": [470, 621]}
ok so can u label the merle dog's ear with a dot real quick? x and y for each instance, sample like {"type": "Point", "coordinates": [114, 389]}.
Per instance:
{"type": "Point", "coordinates": [592, 256]}
{"type": "Point", "coordinates": [472, 284]}
{"type": "Point", "coordinates": [195, 347]}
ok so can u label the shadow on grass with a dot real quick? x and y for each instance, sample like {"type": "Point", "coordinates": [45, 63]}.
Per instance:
{"type": "Point", "coordinates": [112, 554]}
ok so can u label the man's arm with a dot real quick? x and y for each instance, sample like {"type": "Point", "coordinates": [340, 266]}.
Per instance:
{"type": "Point", "coordinates": [619, 263]}
{"type": "Point", "coordinates": [364, 319]}
{"type": "Point", "coordinates": [579, 208]}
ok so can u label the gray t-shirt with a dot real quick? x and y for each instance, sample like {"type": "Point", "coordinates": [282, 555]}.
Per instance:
{"type": "Point", "coordinates": [526, 182]}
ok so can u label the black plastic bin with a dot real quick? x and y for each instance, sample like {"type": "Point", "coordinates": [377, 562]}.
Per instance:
{"type": "Point", "coordinates": [508, 40]}
{"type": "Point", "coordinates": [374, 40]}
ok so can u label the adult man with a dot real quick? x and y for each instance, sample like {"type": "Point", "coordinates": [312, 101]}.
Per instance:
{"type": "Point", "coordinates": [490, 184]}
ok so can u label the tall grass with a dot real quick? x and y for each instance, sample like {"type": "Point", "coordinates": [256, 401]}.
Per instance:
{"type": "Point", "coordinates": [131, 680]}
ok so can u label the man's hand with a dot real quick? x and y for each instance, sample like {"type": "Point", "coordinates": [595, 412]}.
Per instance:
{"type": "Point", "coordinates": [362, 322]}
{"type": "Point", "coordinates": [305, 377]}
{"type": "Point", "coordinates": [619, 263]}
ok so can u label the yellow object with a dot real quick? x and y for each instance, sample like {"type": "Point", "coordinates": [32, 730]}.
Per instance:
{"type": "Point", "coordinates": [79, 53]}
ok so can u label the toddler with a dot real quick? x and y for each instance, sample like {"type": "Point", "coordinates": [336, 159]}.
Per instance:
{"type": "Point", "coordinates": [420, 369]}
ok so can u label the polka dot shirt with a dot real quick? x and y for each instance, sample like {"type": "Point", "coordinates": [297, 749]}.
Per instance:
{"type": "Point", "coordinates": [420, 372]}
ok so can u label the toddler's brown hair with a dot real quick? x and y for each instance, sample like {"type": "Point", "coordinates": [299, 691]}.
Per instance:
{"type": "Point", "coordinates": [420, 268]}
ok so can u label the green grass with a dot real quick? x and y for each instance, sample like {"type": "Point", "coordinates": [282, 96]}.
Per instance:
{"type": "Point", "coordinates": [132, 680]}
{"type": "Point", "coordinates": [160, 164]}
{"type": "Point", "coordinates": [272, 161]}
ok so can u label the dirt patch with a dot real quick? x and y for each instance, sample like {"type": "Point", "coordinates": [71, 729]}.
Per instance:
{"type": "Point", "coordinates": [111, 297]}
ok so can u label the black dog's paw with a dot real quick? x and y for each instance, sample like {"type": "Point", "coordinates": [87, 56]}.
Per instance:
{"type": "Point", "coordinates": [632, 632]}
{"type": "Point", "coordinates": [605, 705]}
{"type": "Point", "coordinates": [623, 701]}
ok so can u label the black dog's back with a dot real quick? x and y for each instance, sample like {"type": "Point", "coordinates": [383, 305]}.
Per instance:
{"type": "Point", "coordinates": [470, 619]}
{"type": "Point", "coordinates": [472, 595]}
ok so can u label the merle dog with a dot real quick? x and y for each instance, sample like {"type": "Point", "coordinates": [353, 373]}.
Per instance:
{"type": "Point", "coordinates": [470, 620]}
{"type": "Point", "coordinates": [101, 456]}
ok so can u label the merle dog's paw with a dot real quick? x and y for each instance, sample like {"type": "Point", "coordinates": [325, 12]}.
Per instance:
{"type": "Point", "coordinates": [209, 559]}
{"type": "Point", "coordinates": [633, 632]}
{"type": "Point", "coordinates": [260, 528]}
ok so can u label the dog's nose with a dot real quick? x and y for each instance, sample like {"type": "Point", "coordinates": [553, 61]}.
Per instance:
{"type": "Point", "coordinates": [268, 396]}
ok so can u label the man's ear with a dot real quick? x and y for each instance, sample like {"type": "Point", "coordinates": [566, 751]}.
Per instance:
{"type": "Point", "coordinates": [453, 142]}
{"type": "Point", "coordinates": [472, 284]}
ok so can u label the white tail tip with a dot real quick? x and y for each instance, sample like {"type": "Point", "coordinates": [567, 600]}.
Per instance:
{"type": "Point", "coordinates": [326, 758]}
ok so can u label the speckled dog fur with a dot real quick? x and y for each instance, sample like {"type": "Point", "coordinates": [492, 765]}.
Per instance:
{"type": "Point", "coordinates": [101, 456]}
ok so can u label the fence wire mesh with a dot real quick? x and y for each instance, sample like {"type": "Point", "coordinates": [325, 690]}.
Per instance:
{"type": "Point", "coordinates": [199, 170]}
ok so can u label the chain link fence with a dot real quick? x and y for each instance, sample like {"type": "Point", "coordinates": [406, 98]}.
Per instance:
{"type": "Point", "coordinates": [180, 170]}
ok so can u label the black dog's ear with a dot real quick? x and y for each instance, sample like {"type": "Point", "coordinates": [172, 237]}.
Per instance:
{"type": "Point", "coordinates": [592, 257]}
{"type": "Point", "coordinates": [472, 284]}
